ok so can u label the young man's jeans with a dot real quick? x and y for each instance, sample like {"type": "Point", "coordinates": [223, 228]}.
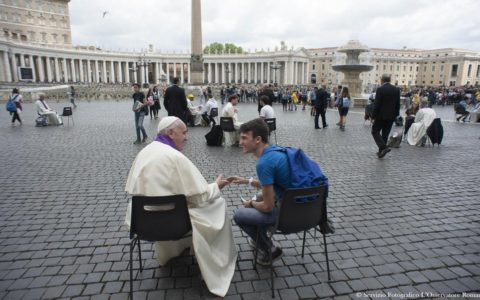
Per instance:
{"type": "Point", "coordinates": [249, 219]}
{"type": "Point", "coordinates": [139, 116]}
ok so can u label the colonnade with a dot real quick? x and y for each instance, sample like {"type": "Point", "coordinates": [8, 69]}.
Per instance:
{"type": "Point", "coordinates": [104, 69]}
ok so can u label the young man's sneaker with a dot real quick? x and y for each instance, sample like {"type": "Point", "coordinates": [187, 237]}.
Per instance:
{"type": "Point", "coordinates": [263, 259]}
{"type": "Point", "coordinates": [137, 142]}
{"type": "Point", "coordinates": [144, 139]}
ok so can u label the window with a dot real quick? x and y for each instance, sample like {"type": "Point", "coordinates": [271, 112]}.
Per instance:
{"type": "Point", "coordinates": [416, 69]}
{"type": "Point", "coordinates": [384, 67]}
{"type": "Point", "coordinates": [398, 68]}
{"type": "Point", "coordinates": [425, 69]}
{"type": "Point", "coordinates": [478, 71]}
{"type": "Point", "coordinates": [391, 68]}
{"type": "Point", "coordinates": [313, 67]}
{"type": "Point", "coordinates": [323, 67]}
{"type": "Point", "coordinates": [404, 68]}
{"type": "Point", "coordinates": [65, 40]}
{"type": "Point", "coordinates": [469, 72]}
{"type": "Point", "coordinates": [433, 68]}
{"type": "Point", "coordinates": [441, 68]}
{"type": "Point", "coordinates": [376, 67]}
{"type": "Point", "coordinates": [44, 36]}
{"type": "Point", "coordinates": [411, 68]}
{"type": "Point", "coordinates": [454, 71]}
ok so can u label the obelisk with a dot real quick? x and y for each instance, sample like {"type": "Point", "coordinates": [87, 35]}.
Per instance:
{"type": "Point", "coordinates": [196, 59]}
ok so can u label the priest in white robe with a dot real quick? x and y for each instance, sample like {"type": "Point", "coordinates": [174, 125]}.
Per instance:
{"type": "Point", "coordinates": [160, 169]}
{"type": "Point", "coordinates": [230, 111]}
{"type": "Point", "coordinates": [423, 120]}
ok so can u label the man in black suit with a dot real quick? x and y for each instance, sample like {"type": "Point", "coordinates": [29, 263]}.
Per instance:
{"type": "Point", "coordinates": [385, 109]}
{"type": "Point", "coordinates": [321, 104]}
{"type": "Point", "coordinates": [175, 101]}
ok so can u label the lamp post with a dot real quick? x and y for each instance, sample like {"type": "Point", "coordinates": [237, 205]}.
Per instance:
{"type": "Point", "coordinates": [275, 66]}
{"type": "Point", "coordinates": [143, 62]}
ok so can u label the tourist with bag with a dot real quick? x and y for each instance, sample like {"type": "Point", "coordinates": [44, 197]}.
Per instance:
{"type": "Point", "coordinates": [14, 106]}
{"type": "Point", "coordinates": [343, 102]}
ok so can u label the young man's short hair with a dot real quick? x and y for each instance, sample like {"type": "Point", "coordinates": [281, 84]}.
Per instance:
{"type": "Point", "coordinates": [136, 85]}
{"type": "Point", "coordinates": [258, 127]}
{"type": "Point", "coordinates": [175, 80]}
{"type": "Point", "coordinates": [265, 100]}
{"type": "Point", "coordinates": [231, 97]}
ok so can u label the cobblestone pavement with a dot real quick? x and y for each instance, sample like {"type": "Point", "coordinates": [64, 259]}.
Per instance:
{"type": "Point", "coordinates": [405, 224]}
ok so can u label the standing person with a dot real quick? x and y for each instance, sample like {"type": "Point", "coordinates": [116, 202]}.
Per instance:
{"type": "Point", "coordinates": [175, 101]}
{"type": "Point", "coordinates": [139, 108]}
{"type": "Point", "coordinates": [156, 101]}
{"type": "Point", "coordinates": [321, 104]}
{"type": "Point", "coordinates": [338, 94]}
{"type": "Point", "coordinates": [344, 102]}
{"type": "Point", "coordinates": [151, 103]}
{"type": "Point", "coordinates": [18, 100]}
{"type": "Point", "coordinates": [385, 109]}
{"type": "Point", "coordinates": [72, 96]}
{"type": "Point", "coordinates": [312, 95]}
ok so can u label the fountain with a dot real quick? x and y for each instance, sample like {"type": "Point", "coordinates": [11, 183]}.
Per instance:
{"type": "Point", "coordinates": [352, 69]}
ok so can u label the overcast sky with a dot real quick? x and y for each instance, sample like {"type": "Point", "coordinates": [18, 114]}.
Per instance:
{"type": "Point", "coordinates": [424, 24]}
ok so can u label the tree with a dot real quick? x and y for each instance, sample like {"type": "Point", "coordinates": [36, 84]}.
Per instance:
{"type": "Point", "coordinates": [216, 47]}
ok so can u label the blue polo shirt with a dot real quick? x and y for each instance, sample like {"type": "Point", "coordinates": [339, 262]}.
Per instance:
{"type": "Point", "coordinates": [273, 168]}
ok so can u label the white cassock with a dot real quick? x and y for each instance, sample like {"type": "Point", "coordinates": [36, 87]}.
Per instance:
{"type": "Point", "coordinates": [160, 170]}
{"type": "Point", "coordinates": [44, 110]}
{"type": "Point", "coordinates": [231, 137]}
{"type": "Point", "coordinates": [195, 111]}
{"type": "Point", "coordinates": [423, 119]}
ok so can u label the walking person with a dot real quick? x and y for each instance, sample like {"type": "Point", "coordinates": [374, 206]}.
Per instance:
{"type": "Point", "coordinates": [385, 109]}
{"type": "Point", "coordinates": [321, 104]}
{"type": "Point", "coordinates": [156, 101]}
{"type": "Point", "coordinates": [175, 101]}
{"type": "Point", "coordinates": [72, 96]}
{"type": "Point", "coordinates": [139, 108]}
{"type": "Point", "coordinates": [344, 102]}
{"type": "Point", "coordinates": [18, 100]}
{"type": "Point", "coordinates": [151, 103]}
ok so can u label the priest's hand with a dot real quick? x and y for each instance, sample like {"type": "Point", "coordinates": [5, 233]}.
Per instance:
{"type": "Point", "coordinates": [222, 182]}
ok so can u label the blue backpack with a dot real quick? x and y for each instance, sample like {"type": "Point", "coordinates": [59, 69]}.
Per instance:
{"type": "Point", "coordinates": [10, 105]}
{"type": "Point", "coordinates": [345, 102]}
{"type": "Point", "coordinates": [305, 172]}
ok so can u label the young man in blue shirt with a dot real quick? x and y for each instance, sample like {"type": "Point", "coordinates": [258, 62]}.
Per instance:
{"type": "Point", "coordinates": [274, 177]}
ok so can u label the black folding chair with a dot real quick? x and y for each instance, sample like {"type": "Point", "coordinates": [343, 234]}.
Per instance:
{"type": "Point", "coordinates": [213, 114]}
{"type": "Point", "coordinates": [157, 219]}
{"type": "Point", "coordinates": [301, 210]}
{"type": "Point", "coordinates": [226, 123]}
{"type": "Point", "coordinates": [272, 126]}
{"type": "Point", "coordinates": [67, 112]}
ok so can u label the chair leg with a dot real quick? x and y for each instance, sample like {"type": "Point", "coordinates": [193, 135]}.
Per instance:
{"type": "Point", "coordinates": [303, 245]}
{"type": "Point", "coordinates": [140, 256]}
{"type": "Point", "coordinates": [271, 270]}
{"type": "Point", "coordinates": [255, 252]}
{"type": "Point", "coordinates": [132, 246]}
{"type": "Point", "coordinates": [326, 255]}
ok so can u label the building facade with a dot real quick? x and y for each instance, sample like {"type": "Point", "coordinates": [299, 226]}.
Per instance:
{"type": "Point", "coordinates": [408, 67]}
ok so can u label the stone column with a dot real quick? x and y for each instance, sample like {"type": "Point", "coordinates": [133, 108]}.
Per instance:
{"type": "Point", "coordinates": [209, 73]}
{"type": "Point", "coordinates": [174, 69]}
{"type": "Point", "coordinates": [189, 74]}
{"type": "Point", "coordinates": [224, 79]}
{"type": "Point", "coordinates": [57, 69]}
{"type": "Point", "coordinates": [8, 69]}
{"type": "Point", "coordinates": [236, 72]}
{"type": "Point", "coordinates": [31, 62]}
{"type": "Point", "coordinates": [119, 72]}
{"type": "Point", "coordinates": [249, 71]}
{"type": "Point", "coordinates": [157, 72]}
{"type": "Point", "coordinates": [127, 72]}
{"type": "Point", "coordinates": [135, 75]}
{"type": "Point", "coordinates": [112, 72]}
{"type": "Point", "coordinates": [255, 75]}
{"type": "Point", "coordinates": [268, 72]}
{"type": "Point", "coordinates": [262, 71]}
{"type": "Point", "coordinates": [89, 71]}
{"type": "Point", "coordinates": [80, 70]}
{"type": "Point", "coordinates": [168, 72]}
{"type": "Point", "coordinates": [22, 60]}
{"type": "Point", "coordinates": [216, 73]}
{"type": "Point", "coordinates": [142, 74]}
{"type": "Point", "coordinates": [181, 73]}
{"type": "Point", "coordinates": [41, 73]}
{"type": "Point", "coordinates": [104, 71]}
{"type": "Point", "coordinates": [72, 69]}
{"type": "Point", "coordinates": [65, 70]}
{"type": "Point", "coordinates": [196, 60]}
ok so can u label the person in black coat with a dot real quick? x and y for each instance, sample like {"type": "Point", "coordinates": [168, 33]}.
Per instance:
{"type": "Point", "coordinates": [321, 105]}
{"type": "Point", "coordinates": [385, 109]}
{"type": "Point", "coordinates": [175, 101]}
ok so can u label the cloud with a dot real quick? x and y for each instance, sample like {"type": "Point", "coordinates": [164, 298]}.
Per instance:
{"type": "Point", "coordinates": [423, 24]}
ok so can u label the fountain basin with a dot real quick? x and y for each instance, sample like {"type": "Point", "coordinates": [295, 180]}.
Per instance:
{"type": "Point", "coordinates": [358, 68]}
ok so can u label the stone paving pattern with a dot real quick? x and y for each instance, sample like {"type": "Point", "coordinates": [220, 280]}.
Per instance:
{"type": "Point", "coordinates": [408, 223]}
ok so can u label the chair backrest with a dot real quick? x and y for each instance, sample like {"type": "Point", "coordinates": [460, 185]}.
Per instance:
{"type": "Point", "coordinates": [214, 112]}
{"type": "Point", "coordinates": [272, 124]}
{"type": "Point", "coordinates": [296, 214]}
{"type": "Point", "coordinates": [163, 218]}
{"type": "Point", "coordinates": [67, 111]}
{"type": "Point", "coordinates": [227, 124]}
